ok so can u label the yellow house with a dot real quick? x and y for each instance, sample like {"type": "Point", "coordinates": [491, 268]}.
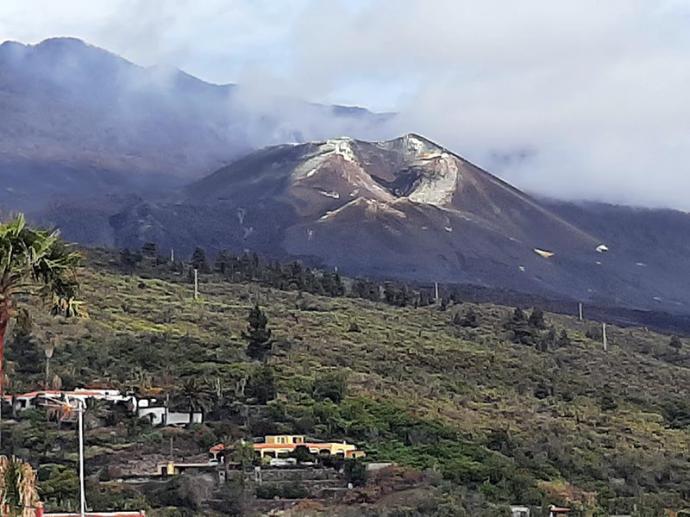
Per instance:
{"type": "Point", "coordinates": [275, 446]}
{"type": "Point", "coordinates": [284, 439]}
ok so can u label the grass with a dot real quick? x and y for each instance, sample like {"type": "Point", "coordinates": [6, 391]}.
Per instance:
{"type": "Point", "coordinates": [421, 391]}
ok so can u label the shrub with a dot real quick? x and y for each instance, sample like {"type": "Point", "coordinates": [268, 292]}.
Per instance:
{"type": "Point", "coordinates": [330, 385]}
{"type": "Point", "coordinates": [354, 327]}
{"type": "Point", "coordinates": [261, 384]}
{"type": "Point", "coordinates": [675, 343]}
{"type": "Point", "coordinates": [468, 320]}
{"type": "Point", "coordinates": [355, 472]}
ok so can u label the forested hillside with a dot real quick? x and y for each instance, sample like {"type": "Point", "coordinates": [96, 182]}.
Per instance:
{"type": "Point", "coordinates": [481, 406]}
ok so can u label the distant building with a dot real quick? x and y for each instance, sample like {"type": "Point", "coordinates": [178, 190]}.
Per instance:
{"type": "Point", "coordinates": [556, 511]}
{"type": "Point", "coordinates": [92, 514]}
{"type": "Point", "coordinates": [39, 512]}
{"type": "Point", "coordinates": [275, 446]}
{"type": "Point", "coordinates": [33, 399]}
{"type": "Point", "coordinates": [152, 408]}
{"type": "Point", "coordinates": [156, 411]}
{"type": "Point", "coordinates": [173, 469]}
{"type": "Point", "coordinates": [519, 511]}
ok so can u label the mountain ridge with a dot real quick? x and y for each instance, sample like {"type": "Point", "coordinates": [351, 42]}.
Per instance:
{"type": "Point", "coordinates": [105, 149]}
{"type": "Point", "coordinates": [294, 200]}
{"type": "Point", "coordinates": [375, 208]}
{"type": "Point", "coordinates": [94, 121]}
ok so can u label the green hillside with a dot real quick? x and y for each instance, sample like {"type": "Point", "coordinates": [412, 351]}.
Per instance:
{"type": "Point", "coordinates": [488, 421]}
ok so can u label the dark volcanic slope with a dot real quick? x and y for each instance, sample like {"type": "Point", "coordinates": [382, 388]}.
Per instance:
{"type": "Point", "coordinates": [403, 208]}
{"type": "Point", "coordinates": [409, 208]}
{"type": "Point", "coordinates": [79, 121]}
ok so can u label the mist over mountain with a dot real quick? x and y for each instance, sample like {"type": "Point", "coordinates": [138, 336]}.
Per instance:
{"type": "Point", "coordinates": [79, 121]}
{"type": "Point", "coordinates": [409, 208]}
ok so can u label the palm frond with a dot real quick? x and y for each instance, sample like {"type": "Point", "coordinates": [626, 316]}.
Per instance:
{"type": "Point", "coordinates": [39, 258]}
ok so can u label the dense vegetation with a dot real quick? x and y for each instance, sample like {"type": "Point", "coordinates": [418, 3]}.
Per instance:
{"type": "Point", "coordinates": [495, 405]}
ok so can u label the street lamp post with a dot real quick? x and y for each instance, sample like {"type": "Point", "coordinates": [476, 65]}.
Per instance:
{"type": "Point", "coordinates": [82, 493]}
{"type": "Point", "coordinates": [78, 405]}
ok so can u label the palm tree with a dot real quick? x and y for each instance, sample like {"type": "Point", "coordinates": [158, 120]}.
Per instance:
{"type": "Point", "coordinates": [18, 494]}
{"type": "Point", "coordinates": [195, 396]}
{"type": "Point", "coordinates": [34, 263]}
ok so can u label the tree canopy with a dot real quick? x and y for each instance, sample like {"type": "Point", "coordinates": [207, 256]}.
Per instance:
{"type": "Point", "coordinates": [35, 263]}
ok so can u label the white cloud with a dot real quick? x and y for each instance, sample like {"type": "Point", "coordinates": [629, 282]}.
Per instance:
{"type": "Point", "coordinates": [575, 98]}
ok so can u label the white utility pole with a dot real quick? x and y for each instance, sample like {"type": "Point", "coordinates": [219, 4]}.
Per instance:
{"type": "Point", "coordinates": [603, 336]}
{"type": "Point", "coordinates": [579, 310]}
{"type": "Point", "coordinates": [196, 283]}
{"type": "Point", "coordinates": [172, 255]}
{"type": "Point", "coordinates": [436, 291]}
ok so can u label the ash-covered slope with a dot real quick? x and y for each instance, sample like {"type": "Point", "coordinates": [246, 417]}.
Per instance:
{"type": "Point", "coordinates": [409, 182]}
{"type": "Point", "coordinates": [401, 208]}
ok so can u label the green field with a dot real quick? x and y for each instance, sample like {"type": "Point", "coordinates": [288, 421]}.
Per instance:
{"type": "Point", "coordinates": [490, 421]}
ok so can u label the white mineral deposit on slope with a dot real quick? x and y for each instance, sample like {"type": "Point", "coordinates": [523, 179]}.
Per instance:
{"type": "Point", "coordinates": [372, 207]}
{"type": "Point", "coordinates": [355, 175]}
{"type": "Point", "coordinates": [333, 195]}
{"type": "Point", "coordinates": [343, 147]}
{"type": "Point", "coordinates": [438, 188]}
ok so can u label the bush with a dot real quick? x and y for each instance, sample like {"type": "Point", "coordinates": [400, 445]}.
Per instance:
{"type": "Point", "coordinates": [468, 320]}
{"type": "Point", "coordinates": [302, 455]}
{"type": "Point", "coordinates": [354, 327]}
{"type": "Point", "coordinates": [355, 472]}
{"type": "Point", "coordinates": [289, 491]}
{"type": "Point", "coordinates": [607, 402]}
{"type": "Point", "coordinates": [261, 384]}
{"type": "Point", "coordinates": [675, 343]}
{"type": "Point", "coordinates": [521, 332]}
{"type": "Point", "coordinates": [330, 385]}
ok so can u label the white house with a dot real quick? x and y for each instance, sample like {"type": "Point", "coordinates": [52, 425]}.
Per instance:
{"type": "Point", "coordinates": [157, 412]}
{"type": "Point", "coordinates": [144, 407]}
{"type": "Point", "coordinates": [519, 511]}
{"type": "Point", "coordinates": [33, 399]}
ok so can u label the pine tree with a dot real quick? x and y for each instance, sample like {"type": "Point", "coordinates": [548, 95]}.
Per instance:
{"type": "Point", "coordinates": [547, 341]}
{"type": "Point", "coordinates": [129, 260]}
{"type": "Point", "coordinates": [199, 261]}
{"type": "Point", "coordinates": [519, 328]}
{"type": "Point", "coordinates": [149, 250]}
{"type": "Point", "coordinates": [258, 335]}
{"type": "Point", "coordinates": [536, 319]}
{"type": "Point", "coordinates": [262, 384]}
{"type": "Point", "coordinates": [339, 287]}
{"type": "Point", "coordinates": [518, 315]}
{"type": "Point", "coordinates": [675, 343]}
{"type": "Point", "coordinates": [222, 262]}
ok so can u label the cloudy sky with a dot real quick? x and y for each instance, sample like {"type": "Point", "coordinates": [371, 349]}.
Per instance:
{"type": "Point", "coordinates": [575, 99]}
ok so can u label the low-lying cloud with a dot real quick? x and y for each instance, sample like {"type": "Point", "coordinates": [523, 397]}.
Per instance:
{"type": "Point", "coordinates": [575, 99]}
